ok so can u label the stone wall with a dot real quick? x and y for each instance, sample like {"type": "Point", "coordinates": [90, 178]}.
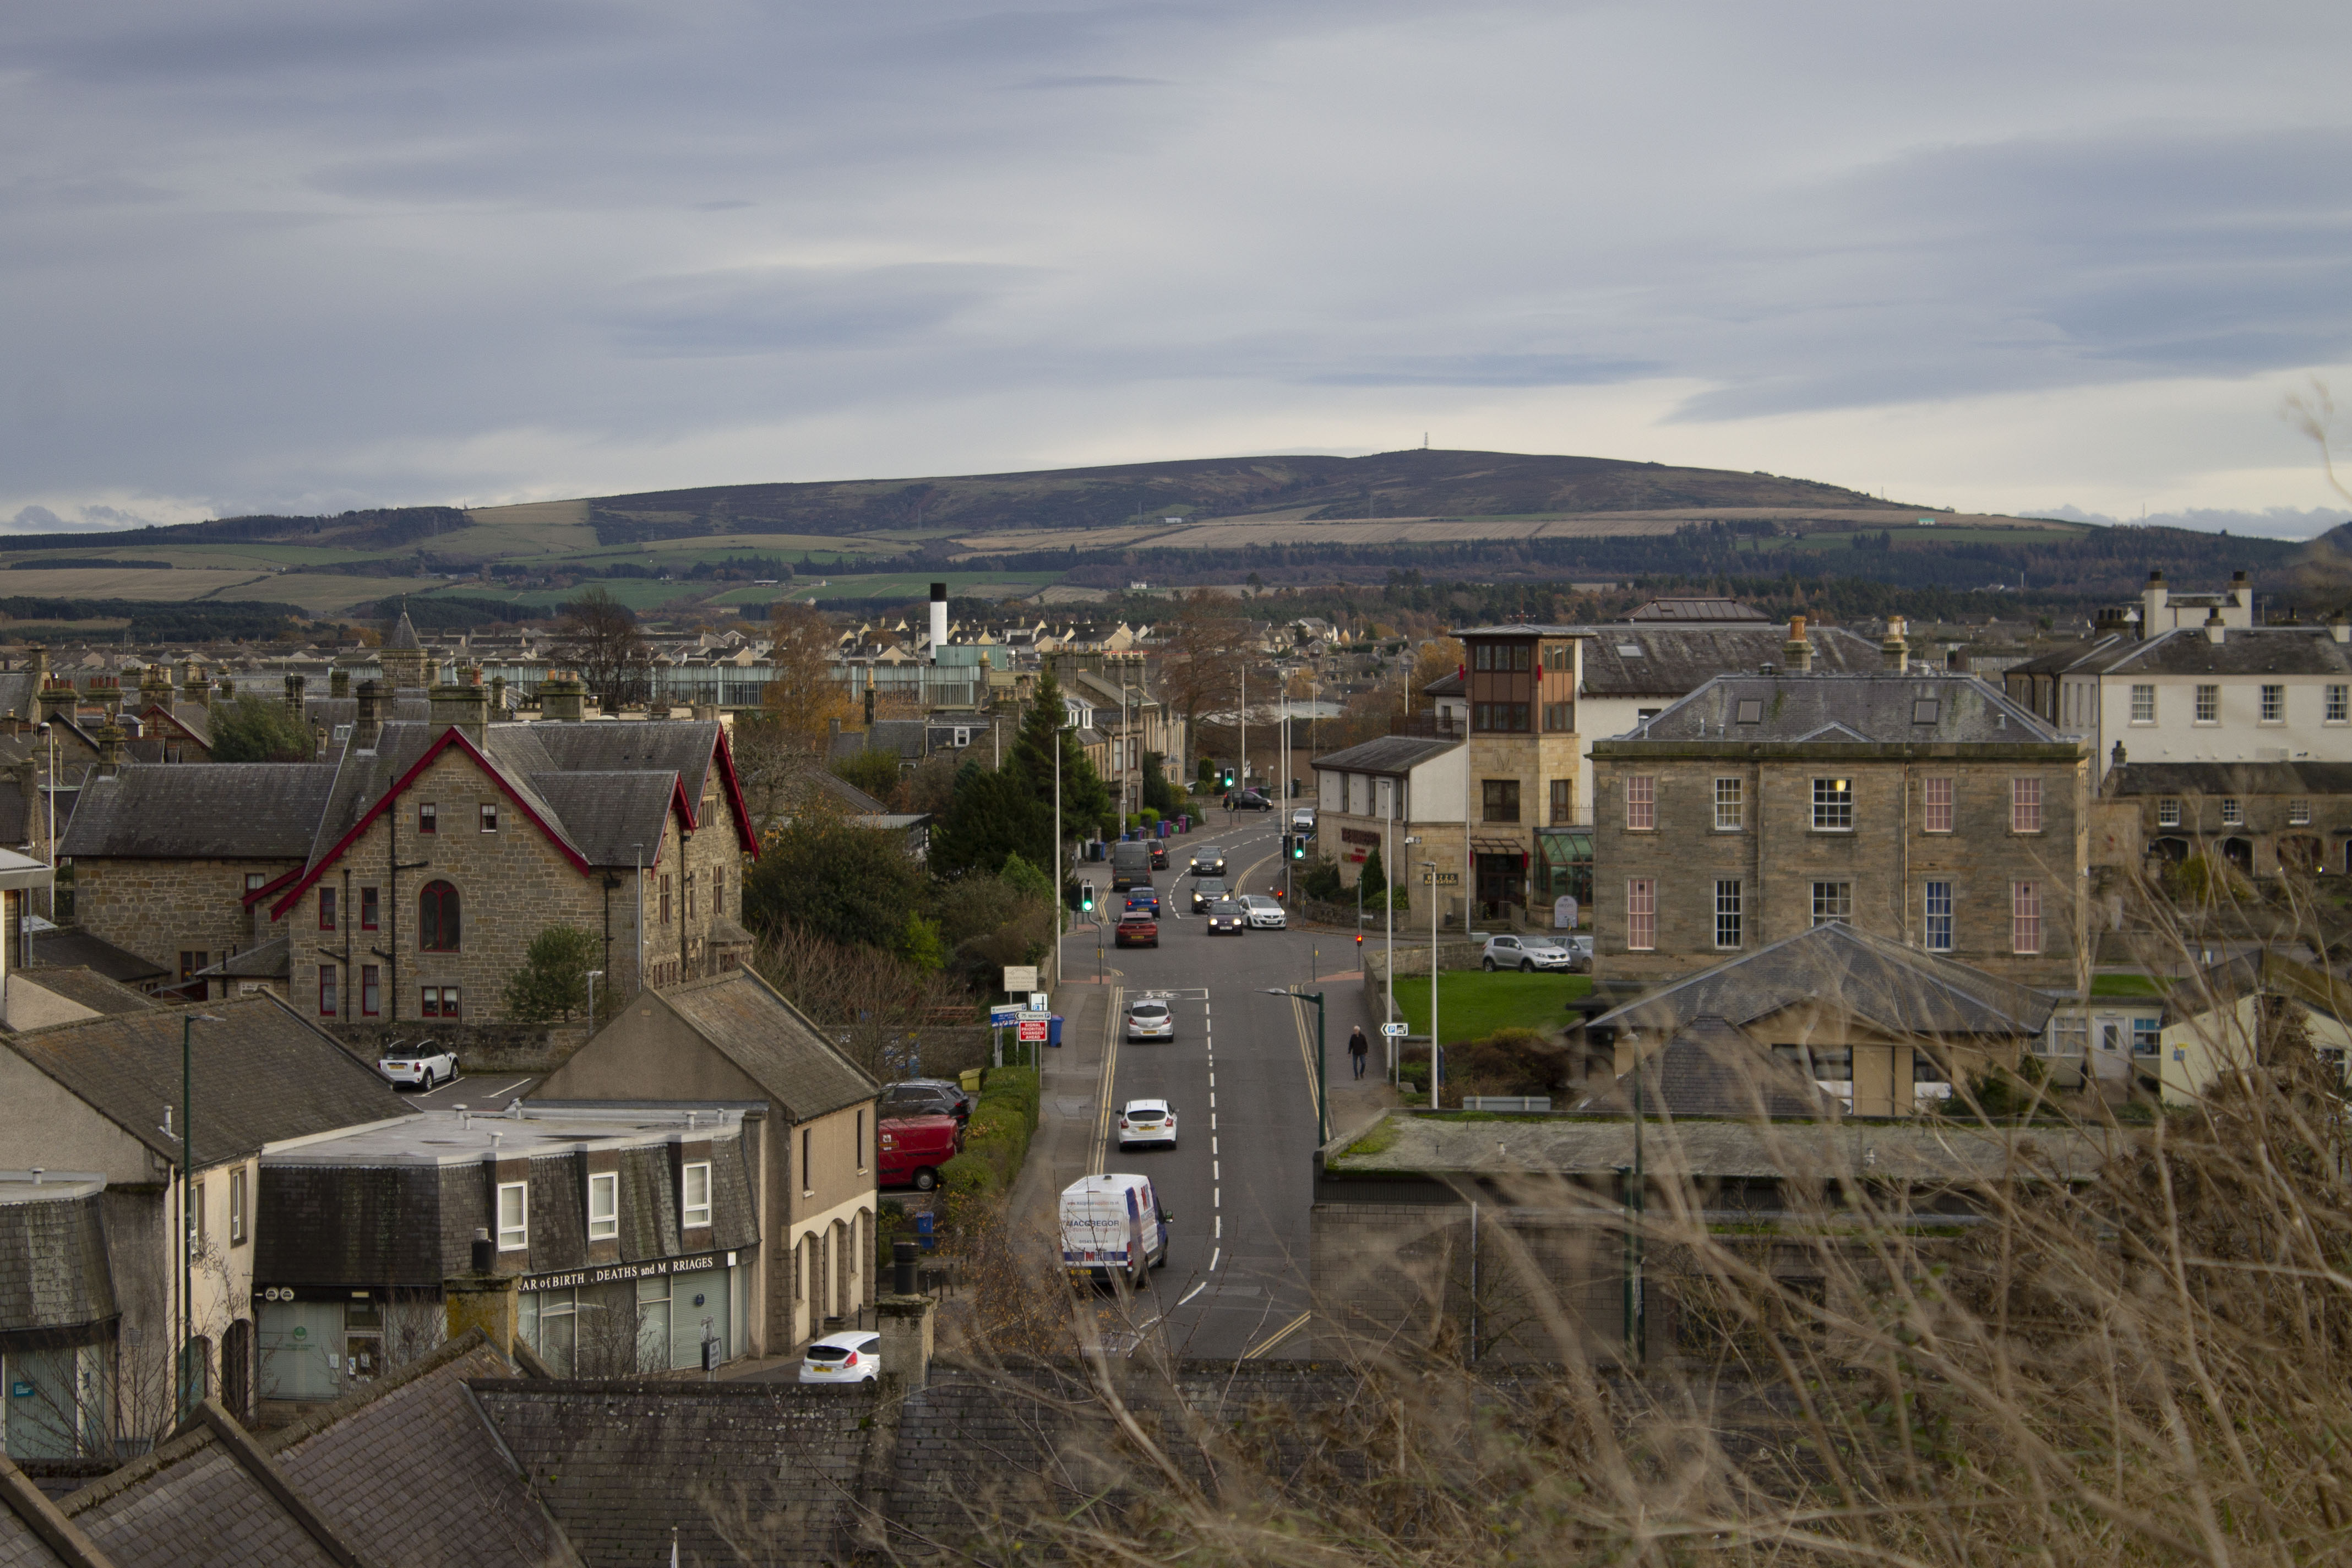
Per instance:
{"type": "Point", "coordinates": [161, 908]}
{"type": "Point", "coordinates": [1777, 857]}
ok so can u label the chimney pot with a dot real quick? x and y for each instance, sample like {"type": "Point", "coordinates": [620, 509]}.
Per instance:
{"type": "Point", "coordinates": [2216, 631]}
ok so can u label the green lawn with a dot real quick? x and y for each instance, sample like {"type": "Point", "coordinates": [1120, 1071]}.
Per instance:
{"type": "Point", "coordinates": [2123, 985]}
{"type": "Point", "coordinates": [1473, 1003]}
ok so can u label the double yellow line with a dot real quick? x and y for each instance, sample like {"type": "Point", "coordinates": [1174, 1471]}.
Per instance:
{"type": "Point", "coordinates": [1114, 1030]}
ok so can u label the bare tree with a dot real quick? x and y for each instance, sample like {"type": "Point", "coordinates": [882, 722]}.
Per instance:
{"type": "Point", "coordinates": [598, 639]}
{"type": "Point", "coordinates": [804, 694]}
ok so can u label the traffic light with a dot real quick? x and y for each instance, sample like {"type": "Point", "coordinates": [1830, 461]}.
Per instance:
{"type": "Point", "coordinates": [1297, 842]}
{"type": "Point", "coordinates": [1286, 846]}
{"type": "Point", "coordinates": [1227, 776]}
{"type": "Point", "coordinates": [1087, 896]}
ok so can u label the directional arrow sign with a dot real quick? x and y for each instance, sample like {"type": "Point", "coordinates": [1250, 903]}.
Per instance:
{"type": "Point", "coordinates": [1393, 1030]}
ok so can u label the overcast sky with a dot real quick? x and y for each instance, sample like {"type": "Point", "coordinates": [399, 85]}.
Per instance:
{"type": "Point", "coordinates": [305, 255]}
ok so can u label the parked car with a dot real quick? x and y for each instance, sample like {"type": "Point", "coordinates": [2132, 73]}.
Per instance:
{"type": "Point", "coordinates": [1159, 856]}
{"type": "Point", "coordinates": [423, 1063]}
{"type": "Point", "coordinates": [1228, 915]}
{"type": "Point", "coordinates": [1249, 800]}
{"type": "Point", "coordinates": [855, 1356]}
{"type": "Point", "coordinates": [1149, 1019]}
{"type": "Point", "coordinates": [1145, 898]}
{"type": "Point", "coordinates": [1525, 952]}
{"type": "Point", "coordinates": [1303, 820]}
{"type": "Point", "coordinates": [1136, 931]}
{"type": "Point", "coordinates": [1580, 948]}
{"type": "Point", "coordinates": [1207, 890]}
{"type": "Point", "coordinates": [913, 1148]}
{"type": "Point", "coordinates": [1208, 861]}
{"type": "Point", "coordinates": [1265, 913]}
{"type": "Point", "coordinates": [1113, 1225]}
{"type": "Point", "coordinates": [1146, 1121]}
{"type": "Point", "coordinates": [928, 1096]}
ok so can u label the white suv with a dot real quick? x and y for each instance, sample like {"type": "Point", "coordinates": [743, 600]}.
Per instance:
{"type": "Point", "coordinates": [1303, 820]}
{"type": "Point", "coordinates": [1525, 952]}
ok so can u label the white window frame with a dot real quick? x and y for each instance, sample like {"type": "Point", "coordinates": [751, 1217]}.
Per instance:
{"type": "Point", "coordinates": [2338, 709]}
{"type": "Point", "coordinates": [490, 815]}
{"type": "Point", "coordinates": [1730, 804]}
{"type": "Point", "coordinates": [2273, 707]}
{"type": "Point", "coordinates": [2142, 704]}
{"type": "Point", "coordinates": [2209, 705]}
{"type": "Point", "coordinates": [1834, 805]}
{"type": "Point", "coordinates": [2025, 805]}
{"type": "Point", "coordinates": [1641, 914]}
{"type": "Point", "coordinates": [514, 1236]}
{"type": "Point", "coordinates": [1840, 906]}
{"type": "Point", "coordinates": [1642, 803]}
{"type": "Point", "coordinates": [1929, 805]}
{"type": "Point", "coordinates": [2025, 917]}
{"type": "Point", "coordinates": [604, 1205]}
{"type": "Point", "coordinates": [2167, 812]}
{"type": "Point", "coordinates": [2298, 812]}
{"type": "Point", "coordinates": [689, 1206]}
{"type": "Point", "coordinates": [2233, 812]}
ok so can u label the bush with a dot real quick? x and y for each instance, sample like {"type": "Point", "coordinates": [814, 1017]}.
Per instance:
{"type": "Point", "coordinates": [1020, 1085]}
{"type": "Point", "coordinates": [969, 1175]}
{"type": "Point", "coordinates": [996, 1138]}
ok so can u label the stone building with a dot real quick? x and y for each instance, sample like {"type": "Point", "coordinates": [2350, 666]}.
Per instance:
{"type": "Point", "coordinates": [1927, 809]}
{"type": "Point", "coordinates": [734, 1039]}
{"type": "Point", "coordinates": [1399, 786]}
{"type": "Point", "coordinates": [2261, 818]}
{"type": "Point", "coordinates": [1523, 764]}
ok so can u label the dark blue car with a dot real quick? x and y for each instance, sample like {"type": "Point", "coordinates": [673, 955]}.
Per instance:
{"type": "Point", "coordinates": [1144, 900]}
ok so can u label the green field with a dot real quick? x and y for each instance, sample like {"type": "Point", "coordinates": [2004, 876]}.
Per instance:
{"type": "Point", "coordinates": [1473, 1003]}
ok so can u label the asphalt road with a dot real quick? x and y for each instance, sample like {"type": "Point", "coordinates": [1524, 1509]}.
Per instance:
{"type": "Point", "coordinates": [1240, 1074]}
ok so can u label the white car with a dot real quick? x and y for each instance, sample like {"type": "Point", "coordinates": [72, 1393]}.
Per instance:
{"type": "Point", "coordinates": [1264, 912]}
{"type": "Point", "coordinates": [855, 1356]}
{"type": "Point", "coordinates": [1302, 820]}
{"type": "Point", "coordinates": [1146, 1121]}
{"type": "Point", "coordinates": [1525, 952]}
{"type": "Point", "coordinates": [1149, 1019]}
{"type": "Point", "coordinates": [425, 1063]}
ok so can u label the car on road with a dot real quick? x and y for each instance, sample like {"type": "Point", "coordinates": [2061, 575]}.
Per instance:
{"type": "Point", "coordinates": [423, 1063]}
{"type": "Point", "coordinates": [1207, 890]}
{"type": "Point", "coordinates": [1112, 1225]}
{"type": "Point", "coordinates": [1525, 952]}
{"type": "Point", "coordinates": [1303, 820]}
{"type": "Point", "coordinates": [1146, 1121]}
{"type": "Point", "coordinates": [1228, 915]}
{"type": "Point", "coordinates": [928, 1096]}
{"type": "Point", "coordinates": [1159, 856]}
{"type": "Point", "coordinates": [1150, 1019]}
{"type": "Point", "coordinates": [1145, 898]}
{"type": "Point", "coordinates": [913, 1148]}
{"type": "Point", "coordinates": [1208, 861]}
{"type": "Point", "coordinates": [855, 1356]}
{"type": "Point", "coordinates": [1249, 800]}
{"type": "Point", "coordinates": [1265, 913]}
{"type": "Point", "coordinates": [1136, 931]}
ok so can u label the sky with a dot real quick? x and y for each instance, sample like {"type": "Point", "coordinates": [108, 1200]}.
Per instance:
{"type": "Point", "coordinates": [286, 255]}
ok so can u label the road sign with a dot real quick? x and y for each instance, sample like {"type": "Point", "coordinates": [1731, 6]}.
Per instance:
{"type": "Point", "coordinates": [1035, 1015]}
{"type": "Point", "coordinates": [1037, 1002]}
{"type": "Point", "coordinates": [1021, 978]}
{"type": "Point", "coordinates": [1395, 1031]}
{"type": "Point", "coordinates": [1442, 878]}
{"type": "Point", "coordinates": [1033, 1031]}
{"type": "Point", "coordinates": [1003, 1014]}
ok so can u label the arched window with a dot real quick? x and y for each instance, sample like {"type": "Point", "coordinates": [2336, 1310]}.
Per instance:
{"type": "Point", "coordinates": [436, 918]}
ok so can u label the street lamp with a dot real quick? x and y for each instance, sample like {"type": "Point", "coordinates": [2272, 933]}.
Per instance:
{"type": "Point", "coordinates": [1436, 1052]}
{"type": "Point", "coordinates": [1322, 1097]}
{"type": "Point", "coordinates": [188, 1022]}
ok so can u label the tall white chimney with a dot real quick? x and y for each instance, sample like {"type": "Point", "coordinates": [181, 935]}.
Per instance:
{"type": "Point", "coordinates": [939, 619]}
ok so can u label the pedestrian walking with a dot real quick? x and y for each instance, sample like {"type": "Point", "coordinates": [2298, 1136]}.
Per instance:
{"type": "Point", "coordinates": [1358, 1048]}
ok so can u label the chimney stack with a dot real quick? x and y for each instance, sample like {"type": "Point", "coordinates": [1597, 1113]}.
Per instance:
{"type": "Point", "coordinates": [483, 1299]}
{"type": "Point", "coordinates": [155, 689]}
{"type": "Point", "coordinates": [2216, 630]}
{"type": "Point", "coordinates": [464, 705]}
{"type": "Point", "coordinates": [40, 668]}
{"type": "Point", "coordinates": [109, 750]}
{"type": "Point", "coordinates": [2338, 627]}
{"type": "Point", "coordinates": [1797, 653]}
{"type": "Point", "coordinates": [2152, 601]}
{"type": "Point", "coordinates": [939, 619]}
{"type": "Point", "coordinates": [1896, 650]}
{"type": "Point", "coordinates": [564, 699]}
{"type": "Point", "coordinates": [59, 700]}
{"type": "Point", "coordinates": [193, 686]}
{"type": "Point", "coordinates": [339, 682]}
{"type": "Point", "coordinates": [294, 706]}
{"type": "Point", "coordinates": [370, 722]}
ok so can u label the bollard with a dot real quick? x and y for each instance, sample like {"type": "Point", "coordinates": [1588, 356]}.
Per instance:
{"type": "Point", "coordinates": [902, 1265]}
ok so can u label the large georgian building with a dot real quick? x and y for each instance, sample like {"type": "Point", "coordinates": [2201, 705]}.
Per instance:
{"type": "Point", "coordinates": [1928, 809]}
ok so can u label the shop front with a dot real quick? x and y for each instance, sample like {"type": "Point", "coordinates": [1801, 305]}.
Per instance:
{"type": "Point", "coordinates": [666, 1315]}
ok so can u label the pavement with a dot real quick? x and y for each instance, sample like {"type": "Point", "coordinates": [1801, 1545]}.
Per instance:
{"type": "Point", "coordinates": [1241, 1075]}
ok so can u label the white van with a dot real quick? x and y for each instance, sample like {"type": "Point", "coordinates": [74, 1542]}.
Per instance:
{"type": "Point", "coordinates": [1113, 1225]}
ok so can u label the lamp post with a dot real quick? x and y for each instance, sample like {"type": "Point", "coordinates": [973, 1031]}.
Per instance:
{"type": "Point", "coordinates": [1322, 1097]}
{"type": "Point", "coordinates": [1436, 1052]}
{"type": "Point", "coordinates": [188, 1022]}
{"type": "Point", "coordinates": [594, 976]}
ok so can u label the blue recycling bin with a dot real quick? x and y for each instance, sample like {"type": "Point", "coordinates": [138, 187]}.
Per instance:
{"type": "Point", "coordinates": [923, 1231]}
{"type": "Point", "coordinates": [1162, 825]}
{"type": "Point", "coordinates": [1052, 1029]}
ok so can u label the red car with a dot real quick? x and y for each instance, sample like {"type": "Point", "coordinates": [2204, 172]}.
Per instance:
{"type": "Point", "coordinates": [913, 1148]}
{"type": "Point", "coordinates": [1137, 931]}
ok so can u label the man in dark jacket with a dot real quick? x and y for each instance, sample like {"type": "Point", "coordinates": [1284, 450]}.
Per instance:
{"type": "Point", "coordinates": [1358, 1048]}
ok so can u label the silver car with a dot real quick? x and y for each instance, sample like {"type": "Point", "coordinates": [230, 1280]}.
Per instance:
{"type": "Point", "coordinates": [1525, 952]}
{"type": "Point", "coordinates": [1149, 1019]}
{"type": "Point", "coordinates": [1265, 913]}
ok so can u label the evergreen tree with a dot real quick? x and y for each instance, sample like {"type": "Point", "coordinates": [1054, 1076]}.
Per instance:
{"type": "Point", "coordinates": [991, 818]}
{"type": "Point", "coordinates": [1086, 799]}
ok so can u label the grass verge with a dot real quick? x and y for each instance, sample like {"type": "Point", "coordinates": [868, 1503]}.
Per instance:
{"type": "Point", "coordinates": [1473, 1003]}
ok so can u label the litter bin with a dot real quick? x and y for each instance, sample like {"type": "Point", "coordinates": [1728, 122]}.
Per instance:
{"type": "Point", "coordinates": [924, 1232]}
{"type": "Point", "coordinates": [1052, 1029]}
{"type": "Point", "coordinates": [1161, 827]}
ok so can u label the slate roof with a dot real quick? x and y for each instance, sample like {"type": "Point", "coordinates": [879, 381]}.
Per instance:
{"type": "Point", "coordinates": [608, 815]}
{"type": "Point", "coordinates": [264, 961]}
{"type": "Point", "coordinates": [462, 1501]}
{"type": "Point", "coordinates": [21, 1503]}
{"type": "Point", "coordinates": [1451, 684]}
{"type": "Point", "coordinates": [1697, 610]}
{"type": "Point", "coordinates": [53, 1269]}
{"type": "Point", "coordinates": [262, 1074]}
{"type": "Point", "coordinates": [686, 747]}
{"type": "Point", "coordinates": [1884, 708]}
{"type": "Point", "coordinates": [404, 634]}
{"type": "Point", "coordinates": [86, 986]}
{"type": "Point", "coordinates": [2184, 650]}
{"type": "Point", "coordinates": [751, 1023]}
{"type": "Point", "coordinates": [1897, 988]}
{"type": "Point", "coordinates": [329, 711]}
{"type": "Point", "coordinates": [1673, 660]}
{"type": "Point", "coordinates": [1710, 1068]}
{"type": "Point", "coordinates": [192, 718]}
{"type": "Point", "coordinates": [1387, 754]}
{"type": "Point", "coordinates": [2241, 779]}
{"type": "Point", "coordinates": [856, 800]}
{"type": "Point", "coordinates": [201, 1499]}
{"type": "Point", "coordinates": [74, 948]}
{"type": "Point", "coordinates": [230, 811]}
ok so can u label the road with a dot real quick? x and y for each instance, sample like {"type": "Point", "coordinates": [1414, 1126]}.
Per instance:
{"type": "Point", "coordinates": [1241, 1074]}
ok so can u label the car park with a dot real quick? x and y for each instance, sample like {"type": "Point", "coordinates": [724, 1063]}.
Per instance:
{"type": "Point", "coordinates": [422, 1063]}
{"type": "Point", "coordinates": [1136, 931]}
{"type": "Point", "coordinates": [1145, 898]}
{"type": "Point", "coordinates": [1265, 913]}
{"type": "Point", "coordinates": [928, 1096]}
{"type": "Point", "coordinates": [1146, 1121]}
{"type": "Point", "coordinates": [1207, 890]}
{"type": "Point", "coordinates": [855, 1356]}
{"type": "Point", "coordinates": [1208, 861]}
{"type": "Point", "coordinates": [1230, 915]}
{"type": "Point", "coordinates": [1150, 1019]}
{"type": "Point", "coordinates": [912, 1149]}
{"type": "Point", "coordinates": [1525, 952]}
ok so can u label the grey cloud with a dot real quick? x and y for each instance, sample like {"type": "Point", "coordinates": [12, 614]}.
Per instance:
{"type": "Point", "coordinates": [1059, 83]}
{"type": "Point", "coordinates": [1488, 369]}
{"type": "Point", "coordinates": [2271, 522]}
{"type": "Point", "coordinates": [771, 309]}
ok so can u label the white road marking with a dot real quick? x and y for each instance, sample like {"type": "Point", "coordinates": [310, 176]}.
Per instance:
{"type": "Point", "coordinates": [1220, 1252]}
{"type": "Point", "coordinates": [1212, 1144]}
{"type": "Point", "coordinates": [1220, 1229]}
{"type": "Point", "coordinates": [1214, 1174]}
{"type": "Point", "coordinates": [496, 1093]}
{"type": "Point", "coordinates": [1217, 1199]}
{"type": "Point", "coordinates": [1194, 1291]}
